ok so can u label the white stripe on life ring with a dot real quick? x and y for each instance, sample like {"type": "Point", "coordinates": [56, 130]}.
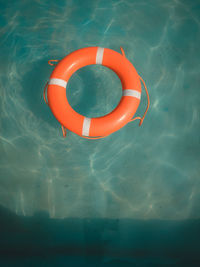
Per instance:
{"type": "Point", "coordinates": [86, 126]}
{"type": "Point", "coordinates": [59, 82]}
{"type": "Point", "coordinates": [99, 57]}
{"type": "Point", "coordinates": [133, 93]}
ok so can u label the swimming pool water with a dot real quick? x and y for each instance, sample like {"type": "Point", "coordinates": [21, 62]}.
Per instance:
{"type": "Point", "coordinates": [144, 173]}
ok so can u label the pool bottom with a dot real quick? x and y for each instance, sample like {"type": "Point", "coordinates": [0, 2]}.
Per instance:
{"type": "Point", "coordinates": [42, 241]}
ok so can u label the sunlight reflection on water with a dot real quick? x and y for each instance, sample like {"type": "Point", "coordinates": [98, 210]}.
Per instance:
{"type": "Point", "coordinates": [147, 172]}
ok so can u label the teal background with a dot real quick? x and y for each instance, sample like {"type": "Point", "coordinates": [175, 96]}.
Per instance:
{"type": "Point", "coordinates": [112, 191]}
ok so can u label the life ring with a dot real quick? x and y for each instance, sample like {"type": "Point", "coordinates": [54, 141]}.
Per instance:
{"type": "Point", "coordinates": [100, 126]}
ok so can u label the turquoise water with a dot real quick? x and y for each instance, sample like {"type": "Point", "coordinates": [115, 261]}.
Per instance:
{"type": "Point", "coordinates": [141, 174]}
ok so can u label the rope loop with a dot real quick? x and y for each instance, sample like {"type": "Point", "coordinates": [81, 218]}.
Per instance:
{"type": "Point", "coordinates": [44, 93]}
{"type": "Point", "coordinates": [148, 104]}
{"type": "Point", "coordinates": [52, 60]}
{"type": "Point", "coordinates": [122, 50]}
{"type": "Point", "coordinates": [64, 131]}
{"type": "Point", "coordinates": [93, 138]}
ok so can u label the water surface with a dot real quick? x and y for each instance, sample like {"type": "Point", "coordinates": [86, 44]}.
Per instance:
{"type": "Point", "coordinates": [138, 173]}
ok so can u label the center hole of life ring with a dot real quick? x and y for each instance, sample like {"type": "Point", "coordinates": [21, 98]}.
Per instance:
{"type": "Point", "coordinates": [94, 91]}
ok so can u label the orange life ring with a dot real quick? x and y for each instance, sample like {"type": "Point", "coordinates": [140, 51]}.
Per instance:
{"type": "Point", "coordinates": [100, 126]}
